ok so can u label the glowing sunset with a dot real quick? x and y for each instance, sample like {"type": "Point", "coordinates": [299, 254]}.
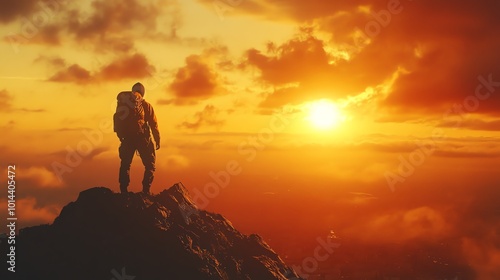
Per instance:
{"type": "Point", "coordinates": [369, 128]}
{"type": "Point", "coordinates": [324, 114]}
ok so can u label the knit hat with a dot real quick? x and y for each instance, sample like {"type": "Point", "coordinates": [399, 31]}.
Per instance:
{"type": "Point", "coordinates": [138, 87]}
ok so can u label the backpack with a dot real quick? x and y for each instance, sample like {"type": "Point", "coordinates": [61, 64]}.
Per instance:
{"type": "Point", "coordinates": [129, 118]}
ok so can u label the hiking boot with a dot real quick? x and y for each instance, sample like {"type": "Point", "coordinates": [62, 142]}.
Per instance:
{"type": "Point", "coordinates": [123, 189]}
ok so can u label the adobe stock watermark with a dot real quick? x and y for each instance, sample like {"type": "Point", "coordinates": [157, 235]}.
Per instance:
{"type": "Point", "coordinates": [122, 276]}
{"type": "Point", "coordinates": [223, 6]}
{"type": "Point", "coordinates": [321, 253]}
{"type": "Point", "coordinates": [397, 278]}
{"type": "Point", "coordinates": [155, 79]}
{"type": "Point", "coordinates": [372, 28]}
{"type": "Point", "coordinates": [30, 26]}
{"type": "Point", "coordinates": [381, 19]}
{"type": "Point", "coordinates": [76, 154]}
{"type": "Point", "coordinates": [93, 138]}
{"type": "Point", "coordinates": [187, 210]}
{"type": "Point", "coordinates": [456, 114]}
{"type": "Point", "coordinates": [249, 150]}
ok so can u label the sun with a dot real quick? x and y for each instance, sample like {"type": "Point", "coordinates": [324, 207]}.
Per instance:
{"type": "Point", "coordinates": [324, 114]}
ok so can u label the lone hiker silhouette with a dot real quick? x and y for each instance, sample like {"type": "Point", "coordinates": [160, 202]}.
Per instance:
{"type": "Point", "coordinates": [134, 120]}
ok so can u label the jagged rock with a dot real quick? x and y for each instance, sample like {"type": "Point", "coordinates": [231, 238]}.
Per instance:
{"type": "Point", "coordinates": [106, 235]}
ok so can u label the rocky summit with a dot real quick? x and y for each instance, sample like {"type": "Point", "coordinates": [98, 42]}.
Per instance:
{"type": "Point", "coordinates": [106, 235]}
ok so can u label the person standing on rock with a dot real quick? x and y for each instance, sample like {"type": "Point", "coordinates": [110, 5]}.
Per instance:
{"type": "Point", "coordinates": [133, 121]}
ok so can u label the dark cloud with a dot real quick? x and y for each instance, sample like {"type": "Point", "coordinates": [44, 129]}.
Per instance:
{"type": "Point", "coordinates": [27, 110]}
{"type": "Point", "coordinates": [33, 214]}
{"type": "Point", "coordinates": [458, 153]}
{"type": "Point", "coordinates": [472, 124]}
{"type": "Point", "coordinates": [445, 147]}
{"type": "Point", "coordinates": [38, 22]}
{"type": "Point", "coordinates": [403, 225]}
{"type": "Point", "coordinates": [193, 82]}
{"type": "Point", "coordinates": [51, 60]}
{"type": "Point", "coordinates": [11, 10]}
{"type": "Point", "coordinates": [60, 156]}
{"type": "Point", "coordinates": [6, 105]}
{"type": "Point", "coordinates": [207, 117]}
{"type": "Point", "coordinates": [97, 151]}
{"type": "Point", "coordinates": [479, 224]}
{"type": "Point", "coordinates": [106, 26]}
{"type": "Point", "coordinates": [124, 67]}
{"type": "Point", "coordinates": [292, 61]}
{"type": "Point", "coordinates": [302, 70]}
{"type": "Point", "coordinates": [5, 101]}
{"type": "Point", "coordinates": [427, 65]}
{"type": "Point", "coordinates": [74, 74]}
{"type": "Point", "coordinates": [109, 18]}
{"type": "Point", "coordinates": [49, 34]}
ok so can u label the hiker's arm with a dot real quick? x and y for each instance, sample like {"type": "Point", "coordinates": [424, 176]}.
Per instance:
{"type": "Point", "coordinates": [153, 123]}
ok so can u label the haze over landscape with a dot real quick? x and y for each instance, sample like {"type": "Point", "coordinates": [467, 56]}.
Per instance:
{"type": "Point", "coordinates": [372, 122]}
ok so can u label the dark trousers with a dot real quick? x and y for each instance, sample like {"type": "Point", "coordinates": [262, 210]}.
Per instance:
{"type": "Point", "coordinates": [146, 149]}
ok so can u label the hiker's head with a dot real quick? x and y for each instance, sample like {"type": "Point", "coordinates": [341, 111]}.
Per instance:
{"type": "Point", "coordinates": [138, 87]}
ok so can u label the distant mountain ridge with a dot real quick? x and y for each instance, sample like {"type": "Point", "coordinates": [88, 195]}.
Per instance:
{"type": "Point", "coordinates": [106, 235]}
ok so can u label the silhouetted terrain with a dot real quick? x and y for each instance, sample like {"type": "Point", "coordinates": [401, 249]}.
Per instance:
{"type": "Point", "coordinates": [105, 235]}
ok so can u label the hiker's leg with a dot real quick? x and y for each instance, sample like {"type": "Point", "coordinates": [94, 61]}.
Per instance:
{"type": "Point", "coordinates": [148, 156]}
{"type": "Point", "coordinates": [126, 151]}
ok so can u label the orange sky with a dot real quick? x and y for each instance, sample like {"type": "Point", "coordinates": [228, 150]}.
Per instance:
{"type": "Point", "coordinates": [417, 84]}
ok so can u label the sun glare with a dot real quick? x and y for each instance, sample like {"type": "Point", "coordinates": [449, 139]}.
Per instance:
{"type": "Point", "coordinates": [324, 114]}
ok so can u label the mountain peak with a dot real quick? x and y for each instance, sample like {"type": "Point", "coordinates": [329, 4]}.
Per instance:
{"type": "Point", "coordinates": [162, 236]}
